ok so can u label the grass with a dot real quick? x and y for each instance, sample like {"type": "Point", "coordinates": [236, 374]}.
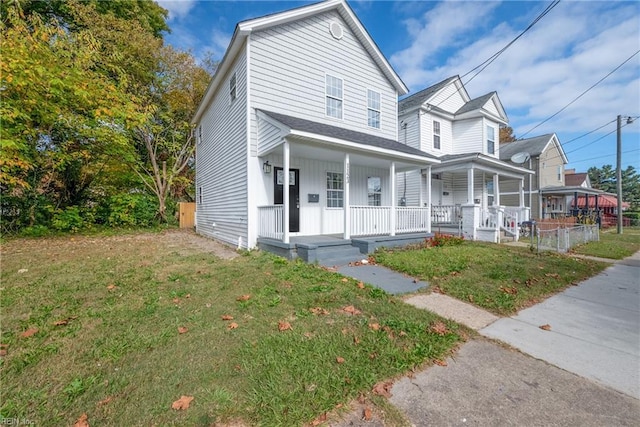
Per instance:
{"type": "Point", "coordinates": [117, 355]}
{"type": "Point", "coordinates": [613, 245]}
{"type": "Point", "coordinates": [498, 278]}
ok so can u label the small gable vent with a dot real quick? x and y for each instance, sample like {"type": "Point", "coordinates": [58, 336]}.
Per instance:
{"type": "Point", "coordinates": [336, 30]}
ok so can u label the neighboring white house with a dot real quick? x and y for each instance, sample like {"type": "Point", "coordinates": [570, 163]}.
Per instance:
{"type": "Point", "coordinates": [463, 133]}
{"type": "Point", "coordinates": [297, 134]}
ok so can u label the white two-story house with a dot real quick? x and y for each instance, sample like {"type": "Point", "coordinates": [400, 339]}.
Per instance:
{"type": "Point", "coordinates": [297, 136]}
{"type": "Point", "coordinates": [463, 133]}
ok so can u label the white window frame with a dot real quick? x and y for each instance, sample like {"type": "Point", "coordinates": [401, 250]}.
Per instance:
{"type": "Point", "coordinates": [335, 195]}
{"type": "Point", "coordinates": [436, 135]}
{"type": "Point", "coordinates": [559, 173]}
{"type": "Point", "coordinates": [492, 141]}
{"type": "Point", "coordinates": [233, 87]}
{"type": "Point", "coordinates": [333, 97]}
{"type": "Point", "coordinates": [371, 108]}
{"type": "Point", "coordinates": [372, 195]}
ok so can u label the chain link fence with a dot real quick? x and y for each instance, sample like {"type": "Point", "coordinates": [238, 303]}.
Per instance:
{"type": "Point", "coordinates": [563, 239]}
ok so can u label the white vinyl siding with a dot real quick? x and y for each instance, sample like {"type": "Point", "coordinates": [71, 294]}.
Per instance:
{"type": "Point", "coordinates": [468, 136]}
{"type": "Point", "coordinates": [221, 162]}
{"type": "Point", "coordinates": [446, 137]}
{"type": "Point", "coordinates": [289, 64]}
{"type": "Point", "coordinates": [449, 99]}
{"type": "Point", "coordinates": [490, 106]}
{"type": "Point", "coordinates": [233, 90]}
{"type": "Point", "coordinates": [373, 108]}
{"type": "Point", "coordinates": [333, 96]}
{"type": "Point", "coordinates": [409, 129]}
{"type": "Point", "coordinates": [269, 136]}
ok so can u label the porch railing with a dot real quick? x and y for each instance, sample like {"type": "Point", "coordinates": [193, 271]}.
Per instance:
{"type": "Point", "coordinates": [523, 213]}
{"type": "Point", "coordinates": [411, 220]}
{"type": "Point", "coordinates": [489, 218]}
{"type": "Point", "coordinates": [271, 221]}
{"type": "Point", "coordinates": [370, 220]}
{"type": "Point", "coordinates": [445, 214]}
{"type": "Point", "coordinates": [510, 223]}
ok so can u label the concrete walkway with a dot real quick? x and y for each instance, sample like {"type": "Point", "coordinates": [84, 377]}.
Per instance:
{"type": "Point", "coordinates": [384, 278]}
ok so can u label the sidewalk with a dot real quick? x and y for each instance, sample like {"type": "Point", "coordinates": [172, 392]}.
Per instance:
{"type": "Point", "coordinates": [594, 343]}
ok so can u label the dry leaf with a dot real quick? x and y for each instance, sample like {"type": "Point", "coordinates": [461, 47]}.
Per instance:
{"type": "Point", "coordinates": [374, 326]}
{"type": "Point", "coordinates": [83, 421]}
{"type": "Point", "coordinates": [507, 290]}
{"type": "Point", "coordinates": [233, 325]}
{"type": "Point", "coordinates": [351, 310]}
{"type": "Point", "coordinates": [29, 332]}
{"type": "Point", "coordinates": [340, 360]}
{"type": "Point", "coordinates": [176, 300]}
{"type": "Point", "coordinates": [105, 400]}
{"type": "Point", "coordinates": [383, 389]}
{"type": "Point", "coordinates": [319, 420]}
{"type": "Point", "coordinates": [243, 297]}
{"type": "Point", "coordinates": [284, 326]}
{"type": "Point", "coordinates": [373, 356]}
{"type": "Point", "coordinates": [227, 317]}
{"type": "Point", "coordinates": [3, 351]}
{"type": "Point", "coordinates": [182, 403]}
{"type": "Point", "coordinates": [111, 286]}
{"type": "Point", "coordinates": [366, 414]}
{"type": "Point", "coordinates": [345, 280]}
{"type": "Point", "coordinates": [439, 328]}
{"type": "Point", "coordinates": [554, 275]}
{"type": "Point", "coordinates": [318, 311]}
{"type": "Point", "coordinates": [187, 296]}
{"type": "Point", "coordinates": [22, 270]}
{"type": "Point", "coordinates": [470, 298]}
{"type": "Point", "coordinates": [208, 305]}
{"type": "Point", "coordinates": [546, 327]}
{"type": "Point", "coordinates": [356, 340]}
{"type": "Point", "coordinates": [360, 285]}
{"type": "Point", "coordinates": [361, 399]}
{"type": "Point", "coordinates": [440, 362]}
{"type": "Point", "coordinates": [64, 321]}
{"type": "Point", "coordinates": [182, 330]}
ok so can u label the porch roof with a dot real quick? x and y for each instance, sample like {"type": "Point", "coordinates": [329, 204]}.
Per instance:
{"type": "Point", "coordinates": [569, 191]}
{"type": "Point", "coordinates": [451, 162]}
{"type": "Point", "coordinates": [347, 138]}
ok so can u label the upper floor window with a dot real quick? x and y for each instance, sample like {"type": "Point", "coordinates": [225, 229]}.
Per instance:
{"type": "Point", "coordinates": [559, 173]}
{"type": "Point", "coordinates": [232, 88]}
{"type": "Point", "coordinates": [436, 135]}
{"type": "Point", "coordinates": [335, 190]}
{"type": "Point", "coordinates": [333, 94]}
{"type": "Point", "coordinates": [374, 191]}
{"type": "Point", "coordinates": [373, 108]}
{"type": "Point", "coordinates": [491, 140]}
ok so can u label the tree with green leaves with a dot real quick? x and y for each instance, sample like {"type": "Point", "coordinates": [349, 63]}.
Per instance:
{"type": "Point", "coordinates": [605, 179]}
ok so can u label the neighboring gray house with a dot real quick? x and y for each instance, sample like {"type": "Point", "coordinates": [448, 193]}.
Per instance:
{"type": "Point", "coordinates": [297, 135]}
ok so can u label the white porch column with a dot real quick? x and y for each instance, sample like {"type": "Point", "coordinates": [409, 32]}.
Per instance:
{"type": "Point", "coordinates": [470, 186]}
{"type": "Point", "coordinates": [428, 203]}
{"type": "Point", "coordinates": [522, 193]}
{"type": "Point", "coordinates": [285, 193]}
{"type": "Point", "coordinates": [346, 203]}
{"type": "Point", "coordinates": [392, 212]}
{"type": "Point", "coordinates": [496, 190]}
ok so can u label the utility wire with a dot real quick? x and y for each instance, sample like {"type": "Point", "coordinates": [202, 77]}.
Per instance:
{"type": "Point", "coordinates": [607, 156]}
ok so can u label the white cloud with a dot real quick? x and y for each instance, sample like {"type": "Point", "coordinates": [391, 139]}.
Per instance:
{"type": "Point", "coordinates": [178, 9]}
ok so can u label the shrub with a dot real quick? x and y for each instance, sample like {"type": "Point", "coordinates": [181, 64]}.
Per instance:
{"type": "Point", "coordinates": [68, 219]}
{"type": "Point", "coordinates": [439, 239]}
{"type": "Point", "coordinates": [129, 210]}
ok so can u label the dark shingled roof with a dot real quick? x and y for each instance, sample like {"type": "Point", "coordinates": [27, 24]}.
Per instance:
{"type": "Point", "coordinates": [475, 104]}
{"type": "Point", "coordinates": [533, 146]}
{"type": "Point", "coordinates": [420, 97]}
{"type": "Point", "coordinates": [345, 134]}
{"type": "Point", "coordinates": [574, 179]}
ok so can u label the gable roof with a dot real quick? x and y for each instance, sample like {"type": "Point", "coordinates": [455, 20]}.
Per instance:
{"type": "Point", "coordinates": [361, 138]}
{"type": "Point", "coordinates": [419, 98]}
{"type": "Point", "coordinates": [477, 106]}
{"type": "Point", "coordinates": [244, 28]}
{"type": "Point", "coordinates": [534, 146]}
{"type": "Point", "coordinates": [576, 179]}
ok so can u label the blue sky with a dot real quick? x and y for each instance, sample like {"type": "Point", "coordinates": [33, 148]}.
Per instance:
{"type": "Point", "coordinates": [572, 48]}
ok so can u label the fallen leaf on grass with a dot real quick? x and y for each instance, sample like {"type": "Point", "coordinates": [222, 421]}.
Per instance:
{"type": "Point", "coordinates": [360, 285]}
{"type": "Point", "coordinates": [440, 362]}
{"type": "Point", "coordinates": [351, 310]}
{"type": "Point", "coordinates": [176, 300]}
{"type": "Point", "coordinates": [208, 305]}
{"type": "Point", "coordinates": [318, 311]}
{"type": "Point", "coordinates": [554, 275]}
{"type": "Point", "coordinates": [64, 321]}
{"type": "Point", "coordinates": [340, 360]}
{"type": "Point", "coordinates": [366, 414]}
{"type": "Point", "coordinates": [374, 326]}
{"type": "Point", "coordinates": [182, 403]}
{"type": "Point", "coordinates": [227, 317]}
{"type": "Point", "coordinates": [344, 279]}
{"type": "Point", "coordinates": [319, 420]}
{"type": "Point", "coordinates": [546, 327]}
{"type": "Point", "coordinates": [233, 325]}
{"type": "Point", "coordinates": [111, 287]}
{"type": "Point", "coordinates": [439, 328]}
{"type": "Point", "coordinates": [284, 326]}
{"type": "Point", "coordinates": [29, 332]}
{"type": "Point", "coordinates": [182, 330]}
{"type": "Point", "coordinates": [243, 297]}
{"type": "Point", "coordinates": [383, 389]}
{"type": "Point", "coordinates": [22, 270]}
{"type": "Point", "coordinates": [509, 290]}
{"type": "Point", "coordinates": [105, 400]}
{"type": "Point", "coordinates": [3, 349]}
{"type": "Point", "coordinates": [83, 421]}
{"type": "Point", "coordinates": [356, 340]}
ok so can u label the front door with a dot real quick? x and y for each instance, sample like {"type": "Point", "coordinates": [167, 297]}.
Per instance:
{"type": "Point", "coordinates": [294, 195]}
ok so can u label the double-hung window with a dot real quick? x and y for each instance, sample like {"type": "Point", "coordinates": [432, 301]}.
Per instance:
{"type": "Point", "coordinates": [333, 94]}
{"type": "Point", "coordinates": [335, 190]}
{"type": "Point", "coordinates": [491, 140]}
{"type": "Point", "coordinates": [374, 190]}
{"type": "Point", "coordinates": [436, 135]}
{"type": "Point", "coordinates": [373, 108]}
{"type": "Point", "coordinates": [232, 88]}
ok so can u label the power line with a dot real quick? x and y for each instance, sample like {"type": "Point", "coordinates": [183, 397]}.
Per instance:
{"type": "Point", "coordinates": [607, 156]}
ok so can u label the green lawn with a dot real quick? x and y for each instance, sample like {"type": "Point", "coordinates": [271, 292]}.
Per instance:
{"type": "Point", "coordinates": [613, 245]}
{"type": "Point", "coordinates": [106, 315]}
{"type": "Point", "coordinates": [502, 279]}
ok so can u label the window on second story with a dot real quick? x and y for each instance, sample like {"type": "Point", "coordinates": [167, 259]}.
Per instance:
{"type": "Point", "coordinates": [373, 108]}
{"type": "Point", "coordinates": [333, 94]}
{"type": "Point", "coordinates": [559, 173]}
{"type": "Point", "coordinates": [232, 88]}
{"type": "Point", "coordinates": [491, 140]}
{"type": "Point", "coordinates": [335, 190]}
{"type": "Point", "coordinates": [436, 135]}
{"type": "Point", "coordinates": [374, 191]}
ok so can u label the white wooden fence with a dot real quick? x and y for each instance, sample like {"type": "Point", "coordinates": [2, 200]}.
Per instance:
{"type": "Point", "coordinates": [271, 221]}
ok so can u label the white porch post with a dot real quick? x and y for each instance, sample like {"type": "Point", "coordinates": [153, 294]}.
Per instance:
{"type": "Point", "coordinates": [470, 186]}
{"type": "Point", "coordinates": [428, 199]}
{"type": "Point", "coordinates": [522, 193]}
{"type": "Point", "coordinates": [285, 193]}
{"type": "Point", "coordinates": [496, 189]}
{"type": "Point", "coordinates": [346, 203]}
{"type": "Point", "coordinates": [392, 212]}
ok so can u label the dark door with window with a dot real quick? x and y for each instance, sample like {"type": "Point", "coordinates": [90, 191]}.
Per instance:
{"type": "Point", "coordinates": [294, 195]}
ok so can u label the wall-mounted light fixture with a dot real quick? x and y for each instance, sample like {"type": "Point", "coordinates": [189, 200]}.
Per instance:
{"type": "Point", "coordinates": [266, 167]}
